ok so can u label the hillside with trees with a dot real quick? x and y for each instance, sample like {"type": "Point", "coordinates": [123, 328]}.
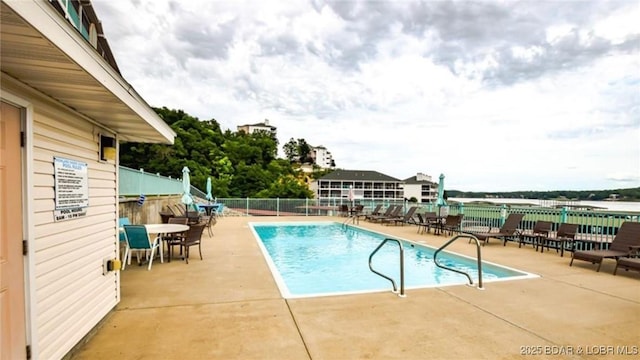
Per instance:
{"type": "Point", "coordinates": [239, 164]}
{"type": "Point", "coordinates": [246, 165]}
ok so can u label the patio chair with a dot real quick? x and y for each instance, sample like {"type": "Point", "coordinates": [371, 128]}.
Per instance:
{"type": "Point", "coordinates": [625, 243]}
{"type": "Point", "coordinates": [404, 219]}
{"type": "Point", "coordinates": [124, 247]}
{"type": "Point", "coordinates": [343, 210]}
{"type": "Point", "coordinates": [192, 238]}
{"type": "Point", "coordinates": [566, 233]}
{"type": "Point", "coordinates": [427, 221]}
{"type": "Point", "coordinates": [540, 229]}
{"type": "Point", "coordinates": [508, 229]}
{"type": "Point", "coordinates": [210, 221]}
{"type": "Point", "coordinates": [138, 240]}
{"type": "Point", "coordinates": [627, 264]}
{"type": "Point", "coordinates": [174, 239]}
{"type": "Point", "coordinates": [452, 223]}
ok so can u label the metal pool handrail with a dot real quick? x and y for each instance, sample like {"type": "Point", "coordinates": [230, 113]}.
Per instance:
{"type": "Point", "coordinates": [353, 219]}
{"type": "Point", "coordinates": [395, 288]}
{"type": "Point", "coordinates": [435, 260]}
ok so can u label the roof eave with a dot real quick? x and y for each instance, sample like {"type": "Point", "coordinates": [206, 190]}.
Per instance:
{"type": "Point", "coordinates": [93, 88]}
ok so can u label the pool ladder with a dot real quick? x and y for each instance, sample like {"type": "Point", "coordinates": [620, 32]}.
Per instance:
{"type": "Point", "coordinates": [395, 287]}
{"type": "Point", "coordinates": [470, 237]}
{"type": "Point", "coordinates": [354, 219]}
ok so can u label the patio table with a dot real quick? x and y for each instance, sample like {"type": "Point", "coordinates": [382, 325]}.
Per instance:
{"type": "Point", "coordinates": [161, 229]}
{"type": "Point", "coordinates": [208, 207]}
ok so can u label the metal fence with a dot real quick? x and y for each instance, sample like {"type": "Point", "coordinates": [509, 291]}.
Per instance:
{"type": "Point", "coordinates": [596, 228]}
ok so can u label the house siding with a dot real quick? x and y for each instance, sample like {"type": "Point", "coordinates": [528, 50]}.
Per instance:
{"type": "Point", "coordinates": [71, 293]}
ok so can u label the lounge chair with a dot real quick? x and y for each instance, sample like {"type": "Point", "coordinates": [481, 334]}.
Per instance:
{"type": "Point", "coordinates": [386, 214]}
{"type": "Point", "coordinates": [452, 223]}
{"type": "Point", "coordinates": [394, 213]}
{"type": "Point", "coordinates": [405, 219]}
{"type": "Point", "coordinates": [374, 212]}
{"type": "Point", "coordinates": [566, 233]}
{"type": "Point", "coordinates": [627, 264]}
{"type": "Point", "coordinates": [625, 243]}
{"type": "Point", "coordinates": [508, 229]}
{"type": "Point", "coordinates": [540, 230]}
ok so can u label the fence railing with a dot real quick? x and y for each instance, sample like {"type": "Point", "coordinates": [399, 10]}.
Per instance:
{"type": "Point", "coordinates": [136, 182]}
{"type": "Point", "coordinates": [595, 228]}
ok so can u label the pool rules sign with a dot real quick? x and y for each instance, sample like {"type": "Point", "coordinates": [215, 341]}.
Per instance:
{"type": "Point", "coordinates": [71, 189]}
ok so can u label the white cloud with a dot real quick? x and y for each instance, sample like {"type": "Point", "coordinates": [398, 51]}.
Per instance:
{"type": "Point", "coordinates": [535, 97]}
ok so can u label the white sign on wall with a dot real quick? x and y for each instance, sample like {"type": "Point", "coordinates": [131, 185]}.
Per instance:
{"type": "Point", "coordinates": [71, 188]}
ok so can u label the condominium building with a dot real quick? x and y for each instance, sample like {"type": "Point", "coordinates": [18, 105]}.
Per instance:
{"type": "Point", "coordinates": [322, 157]}
{"type": "Point", "coordinates": [368, 185]}
{"type": "Point", "coordinates": [263, 126]}
{"type": "Point", "coordinates": [421, 187]}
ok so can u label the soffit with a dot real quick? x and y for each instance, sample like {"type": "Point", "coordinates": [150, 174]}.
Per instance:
{"type": "Point", "coordinates": [94, 90]}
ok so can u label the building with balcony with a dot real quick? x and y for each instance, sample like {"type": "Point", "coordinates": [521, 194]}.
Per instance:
{"type": "Point", "coordinates": [64, 110]}
{"type": "Point", "coordinates": [263, 126]}
{"type": "Point", "coordinates": [367, 185]}
{"type": "Point", "coordinates": [421, 187]}
{"type": "Point", "coordinates": [322, 157]}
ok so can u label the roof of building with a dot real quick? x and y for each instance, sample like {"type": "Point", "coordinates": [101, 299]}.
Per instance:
{"type": "Point", "coordinates": [358, 175]}
{"type": "Point", "coordinates": [261, 125]}
{"type": "Point", "coordinates": [414, 180]}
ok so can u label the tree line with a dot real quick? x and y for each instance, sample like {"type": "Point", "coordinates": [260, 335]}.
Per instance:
{"type": "Point", "coordinates": [630, 194]}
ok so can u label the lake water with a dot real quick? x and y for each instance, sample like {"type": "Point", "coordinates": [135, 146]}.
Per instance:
{"type": "Point", "coordinates": [623, 206]}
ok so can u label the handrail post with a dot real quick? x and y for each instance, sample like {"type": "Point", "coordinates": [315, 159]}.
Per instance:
{"type": "Point", "coordinates": [393, 283]}
{"type": "Point", "coordinates": [475, 239]}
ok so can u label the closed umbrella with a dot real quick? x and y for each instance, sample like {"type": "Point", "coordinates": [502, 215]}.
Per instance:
{"type": "Point", "coordinates": [209, 196]}
{"type": "Point", "coordinates": [351, 196]}
{"type": "Point", "coordinates": [186, 189]}
{"type": "Point", "coordinates": [440, 201]}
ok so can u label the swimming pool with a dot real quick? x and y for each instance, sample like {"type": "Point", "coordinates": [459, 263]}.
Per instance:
{"type": "Point", "coordinates": [328, 258]}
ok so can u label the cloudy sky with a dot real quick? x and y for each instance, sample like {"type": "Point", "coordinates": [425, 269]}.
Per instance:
{"type": "Point", "coordinates": [495, 95]}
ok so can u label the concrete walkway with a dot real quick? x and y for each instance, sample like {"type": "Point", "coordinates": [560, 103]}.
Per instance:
{"type": "Point", "coordinates": [228, 306]}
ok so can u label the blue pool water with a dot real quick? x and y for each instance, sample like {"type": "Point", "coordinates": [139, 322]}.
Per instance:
{"type": "Point", "coordinates": [326, 258]}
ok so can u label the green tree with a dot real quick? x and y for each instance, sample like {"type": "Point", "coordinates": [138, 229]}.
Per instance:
{"type": "Point", "coordinates": [291, 150]}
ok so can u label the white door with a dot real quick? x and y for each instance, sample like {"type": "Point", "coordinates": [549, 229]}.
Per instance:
{"type": "Point", "coordinates": [12, 300]}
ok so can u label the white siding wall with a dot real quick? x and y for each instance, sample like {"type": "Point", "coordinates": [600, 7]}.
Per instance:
{"type": "Point", "coordinates": [413, 190]}
{"type": "Point", "coordinates": [71, 293]}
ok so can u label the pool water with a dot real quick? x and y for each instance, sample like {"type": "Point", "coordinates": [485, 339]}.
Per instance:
{"type": "Point", "coordinates": [328, 258]}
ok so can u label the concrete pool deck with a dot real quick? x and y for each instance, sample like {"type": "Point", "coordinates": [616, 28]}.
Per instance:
{"type": "Point", "coordinates": [228, 306]}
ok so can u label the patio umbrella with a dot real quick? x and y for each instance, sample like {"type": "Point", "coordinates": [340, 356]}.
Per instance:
{"type": "Point", "coordinates": [186, 189]}
{"type": "Point", "coordinates": [351, 196]}
{"type": "Point", "coordinates": [209, 196]}
{"type": "Point", "coordinates": [440, 201]}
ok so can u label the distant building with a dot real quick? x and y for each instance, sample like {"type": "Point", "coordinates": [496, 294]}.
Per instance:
{"type": "Point", "coordinates": [263, 126]}
{"type": "Point", "coordinates": [322, 157]}
{"type": "Point", "coordinates": [368, 185]}
{"type": "Point", "coordinates": [421, 187]}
